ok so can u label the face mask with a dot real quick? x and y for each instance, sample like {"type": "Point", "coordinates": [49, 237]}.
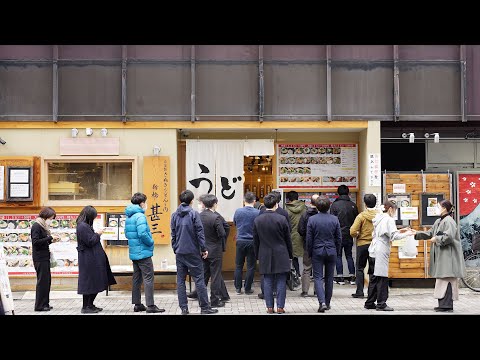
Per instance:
{"type": "Point", "coordinates": [145, 206]}
{"type": "Point", "coordinates": [200, 207]}
{"type": "Point", "coordinates": [48, 222]}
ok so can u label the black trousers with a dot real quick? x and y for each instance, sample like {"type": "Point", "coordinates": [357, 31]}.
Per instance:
{"type": "Point", "coordinates": [88, 300]}
{"type": "Point", "coordinates": [212, 267]}
{"type": "Point", "coordinates": [447, 301]}
{"type": "Point", "coordinates": [362, 258]}
{"type": "Point", "coordinates": [377, 290]}
{"type": "Point", "coordinates": [44, 282]}
{"type": "Point", "coordinates": [2, 310]}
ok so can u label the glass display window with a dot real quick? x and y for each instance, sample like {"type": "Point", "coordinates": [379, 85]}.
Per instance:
{"type": "Point", "coordinates": [89, 180]}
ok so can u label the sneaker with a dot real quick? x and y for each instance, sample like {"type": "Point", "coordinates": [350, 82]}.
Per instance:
{"type": "Point", "coordinates": [358, 296]}
{"type": "Point", "coordinates": [352, 282]}
{"type": "Point", "coordinates": [249, 292]}
{"type": "Point", "coordinates": [154, 309]}
{"type": "Point", "coordinates": [217, 304]}
{"type": "Point", "coordinates": [89, 310]}
{"type": "Point", "coordinates": [322, 308]}
{"type": "Point", "coordinates": [193, 295]}
{"type": "Point", "coordinates": [139, 307]}
{"type": "Point", "coordinates": [238, 291]}
{"type": "Point", "coordinates": [385, 308]}
{"type": "Point", "coordinates": [185, 312]}
{"type": "Point", "coordinates": [304, 294]}
{"type": "Point", "coordinates": [209, 311]}
{"type": "Point", "coordinates": [339, 281]}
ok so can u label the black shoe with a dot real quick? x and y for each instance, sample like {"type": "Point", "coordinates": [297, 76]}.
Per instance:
{"type": "Point", "coordinates": [154, 309]}
{"type": "Point", "coordinates": [193, 295]}
{"type": "Point", "coordinates": [46, 308]}
{"type": "Point", "coordinates": [225, 299]}
{"type": "Point", "coordinates": [439, 309]}
{"type": "Point", "coordinates": [89, 310]}
{"type": "Point", "coordinates": [185, 312]}
{"type": "Point", "coordinates": [50, 307]}
{"type": "Point", "coordinates": [328, 307]}
{"type": "Point", "coordinates": [238, 291]}
{"type": "Point", "coordinates": [304, 294]}
{"type": "Point", "coordinates": [358, 296]}
{"type": "Point", "coordinates": [139, 307]}
{"type": "Point", "coordinates": [370, 307]}
{"type": "Point", "coordinates": [260, 296]}
{"type": "Point", "coordinates": [97, 308]}
{"type": "Point", "coordinates": [249, 292]}
{"type": "Point", "coordinates": [322, 308]}
{"type": "Point", "coordinates": [209, 311]}
{"type": "Point", "coordinates": [217, 304]}
{"type": "Point", "coordinates": [385, 308]}
{"type": "Point", "coordinates": [274, 294]}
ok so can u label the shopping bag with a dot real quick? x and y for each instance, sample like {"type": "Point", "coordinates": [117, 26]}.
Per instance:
{"type": "Point", "coordinates": [293, 279]}
{"type": "Point", "coordinates": [53, 261]}
{"type": "Point", "coordinates": [410, 247]}
{"type": "Point", "coordinates": [372, 247]}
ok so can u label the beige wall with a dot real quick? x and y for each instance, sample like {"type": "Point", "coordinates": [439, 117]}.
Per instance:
{"type": "Point", "coordinates": [369, 143]}
{"type": "Point", "coordinates": [133, 142]}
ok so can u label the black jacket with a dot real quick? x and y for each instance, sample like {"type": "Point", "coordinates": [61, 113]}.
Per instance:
{"type": "Point", "coordinates": [302, 224]}
{"type": "Point", "coordinates": [94, 273]}
{"type": "Point", "coordinates": [226, 227]}
{"type": "Point", "coordinates": [280, 211]}
{"type": "Point", "coordinates": [214, 233]}
{"type": "Point", "coordinates": [272, 243]}
{"type": "Point", "coordinates": [40, 242]}
{"type": "Point", "coordinates": [346, 211]}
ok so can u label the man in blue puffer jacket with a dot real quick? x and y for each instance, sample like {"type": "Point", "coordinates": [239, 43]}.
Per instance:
{"type": "Point", "coordinates": [140, 248]}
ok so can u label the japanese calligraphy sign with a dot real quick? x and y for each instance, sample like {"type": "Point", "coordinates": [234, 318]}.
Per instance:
{"type": "Point", "coordinates": [216, 167]}
{"type": "Point", "coordinates": [317, 165]}
{"type": "Point", "coordinates": [156, 185]}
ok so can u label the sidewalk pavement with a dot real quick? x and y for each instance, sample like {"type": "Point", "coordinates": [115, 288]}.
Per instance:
{"type": "Point", "coordinates": [405, 301]}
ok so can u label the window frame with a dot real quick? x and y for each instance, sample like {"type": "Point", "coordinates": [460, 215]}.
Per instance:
{"type": "Point", "coordinates": [86, 159]}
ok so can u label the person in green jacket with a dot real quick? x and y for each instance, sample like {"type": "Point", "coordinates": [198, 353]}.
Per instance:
{"type": "Point", "coordinates": [446, 257]}
{"type": "Point", "coordinates": [295, 209]}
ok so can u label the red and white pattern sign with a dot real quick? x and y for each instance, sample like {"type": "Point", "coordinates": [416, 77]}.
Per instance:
{"type": "Point", "coordinates": [468, 193]}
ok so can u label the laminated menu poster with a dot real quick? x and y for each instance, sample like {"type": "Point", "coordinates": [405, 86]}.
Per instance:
{"type": "Point", "coordinates": [317, 165]}
{"type": "Point", "coordinates": [17, 243]}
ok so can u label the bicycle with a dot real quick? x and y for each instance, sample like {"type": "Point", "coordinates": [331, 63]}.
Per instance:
{"type": "Point", "coordinates": [472, 264]}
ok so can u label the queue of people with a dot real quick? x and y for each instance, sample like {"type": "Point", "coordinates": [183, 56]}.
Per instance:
{"type": "Point", "coordinates": [307, 238]}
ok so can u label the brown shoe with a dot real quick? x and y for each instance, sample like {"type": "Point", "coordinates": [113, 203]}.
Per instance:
{"type": "Point", "coordinates": [270, 311]}
{"type": "Point", "coordinates": [280, 311]}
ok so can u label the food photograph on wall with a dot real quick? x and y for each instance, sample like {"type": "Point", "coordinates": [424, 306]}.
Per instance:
{"type": "Point", "coordinates": [317, 165]}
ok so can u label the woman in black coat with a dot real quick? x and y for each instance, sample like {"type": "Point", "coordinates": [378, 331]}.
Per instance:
{"type": "Point", "coordinates": [41, 239]}
{"type": "Point", "coordinates": [94, 273]}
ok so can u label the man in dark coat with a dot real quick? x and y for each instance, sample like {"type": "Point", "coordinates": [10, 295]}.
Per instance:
{"type": "Point", "coordinates": [273, 250]}
{"type": "Point", "coordinates": [188, 243]}
{"type": "Point", "coordinates": [215, 244]}
{"type": "Point", "coordinates": [346, 211]}
{"type": "Point", "coordinates": [302, 230]}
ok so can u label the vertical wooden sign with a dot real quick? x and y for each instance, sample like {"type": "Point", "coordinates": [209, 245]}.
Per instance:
{"type": "Point", "coordinates": [156, 185]}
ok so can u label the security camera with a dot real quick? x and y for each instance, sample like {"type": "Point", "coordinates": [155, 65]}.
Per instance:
{"type": "Point", "coordinates": [3, 142]}
{"type": "Point", "coordinates": [185, 133]}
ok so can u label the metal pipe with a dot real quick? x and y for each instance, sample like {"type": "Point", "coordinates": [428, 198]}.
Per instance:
{"type": "Point", "coordinates": [192, 80]}
{"type": "Point", "coordinates": [55, 84]}
{"type": "Point", "coordinates": [124, 83]}
{"type": "Point", "coordinates": [158, 61]}
{"type": "Point", "coordinates": [463, 82]}
{"type": "Point", "coordinates": [261, 93]}
{"type": "Point", "coordinates": [329, 82]}
{"type": "Point", "coordinates": [396, 85]}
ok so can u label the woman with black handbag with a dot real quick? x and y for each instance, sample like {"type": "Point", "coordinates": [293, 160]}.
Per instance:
{"type": "Point", "coordinates": [41, 239]}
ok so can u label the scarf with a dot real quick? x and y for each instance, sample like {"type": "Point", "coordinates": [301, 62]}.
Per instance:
{"type": "Point", "coordinates": [43, 224]}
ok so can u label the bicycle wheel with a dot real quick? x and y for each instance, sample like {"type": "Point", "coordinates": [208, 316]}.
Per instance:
{"type": "Point", "coordinates": [472, 276]}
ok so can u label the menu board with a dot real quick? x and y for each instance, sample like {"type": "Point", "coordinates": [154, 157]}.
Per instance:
{"type": "Point", "coordinates": [317, 165]}
{"type": "Point", "coordinates": [17, 243]}
{"type": "Point", "coordinates": [306, 197]}
{"type": "Point", "coordinates": [114, 233]}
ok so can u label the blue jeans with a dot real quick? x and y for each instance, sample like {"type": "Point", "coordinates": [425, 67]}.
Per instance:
{"type": "Point", "coordinates": [323, 283]}
{"type": "Point", "coordinates": [194, 264]}
{"type": "Point", "coordinates": [244, 250]}
{"type": "Point", "coordinates": [281, 280]}
{"type": "Point", "coordinates": [347, 248]}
